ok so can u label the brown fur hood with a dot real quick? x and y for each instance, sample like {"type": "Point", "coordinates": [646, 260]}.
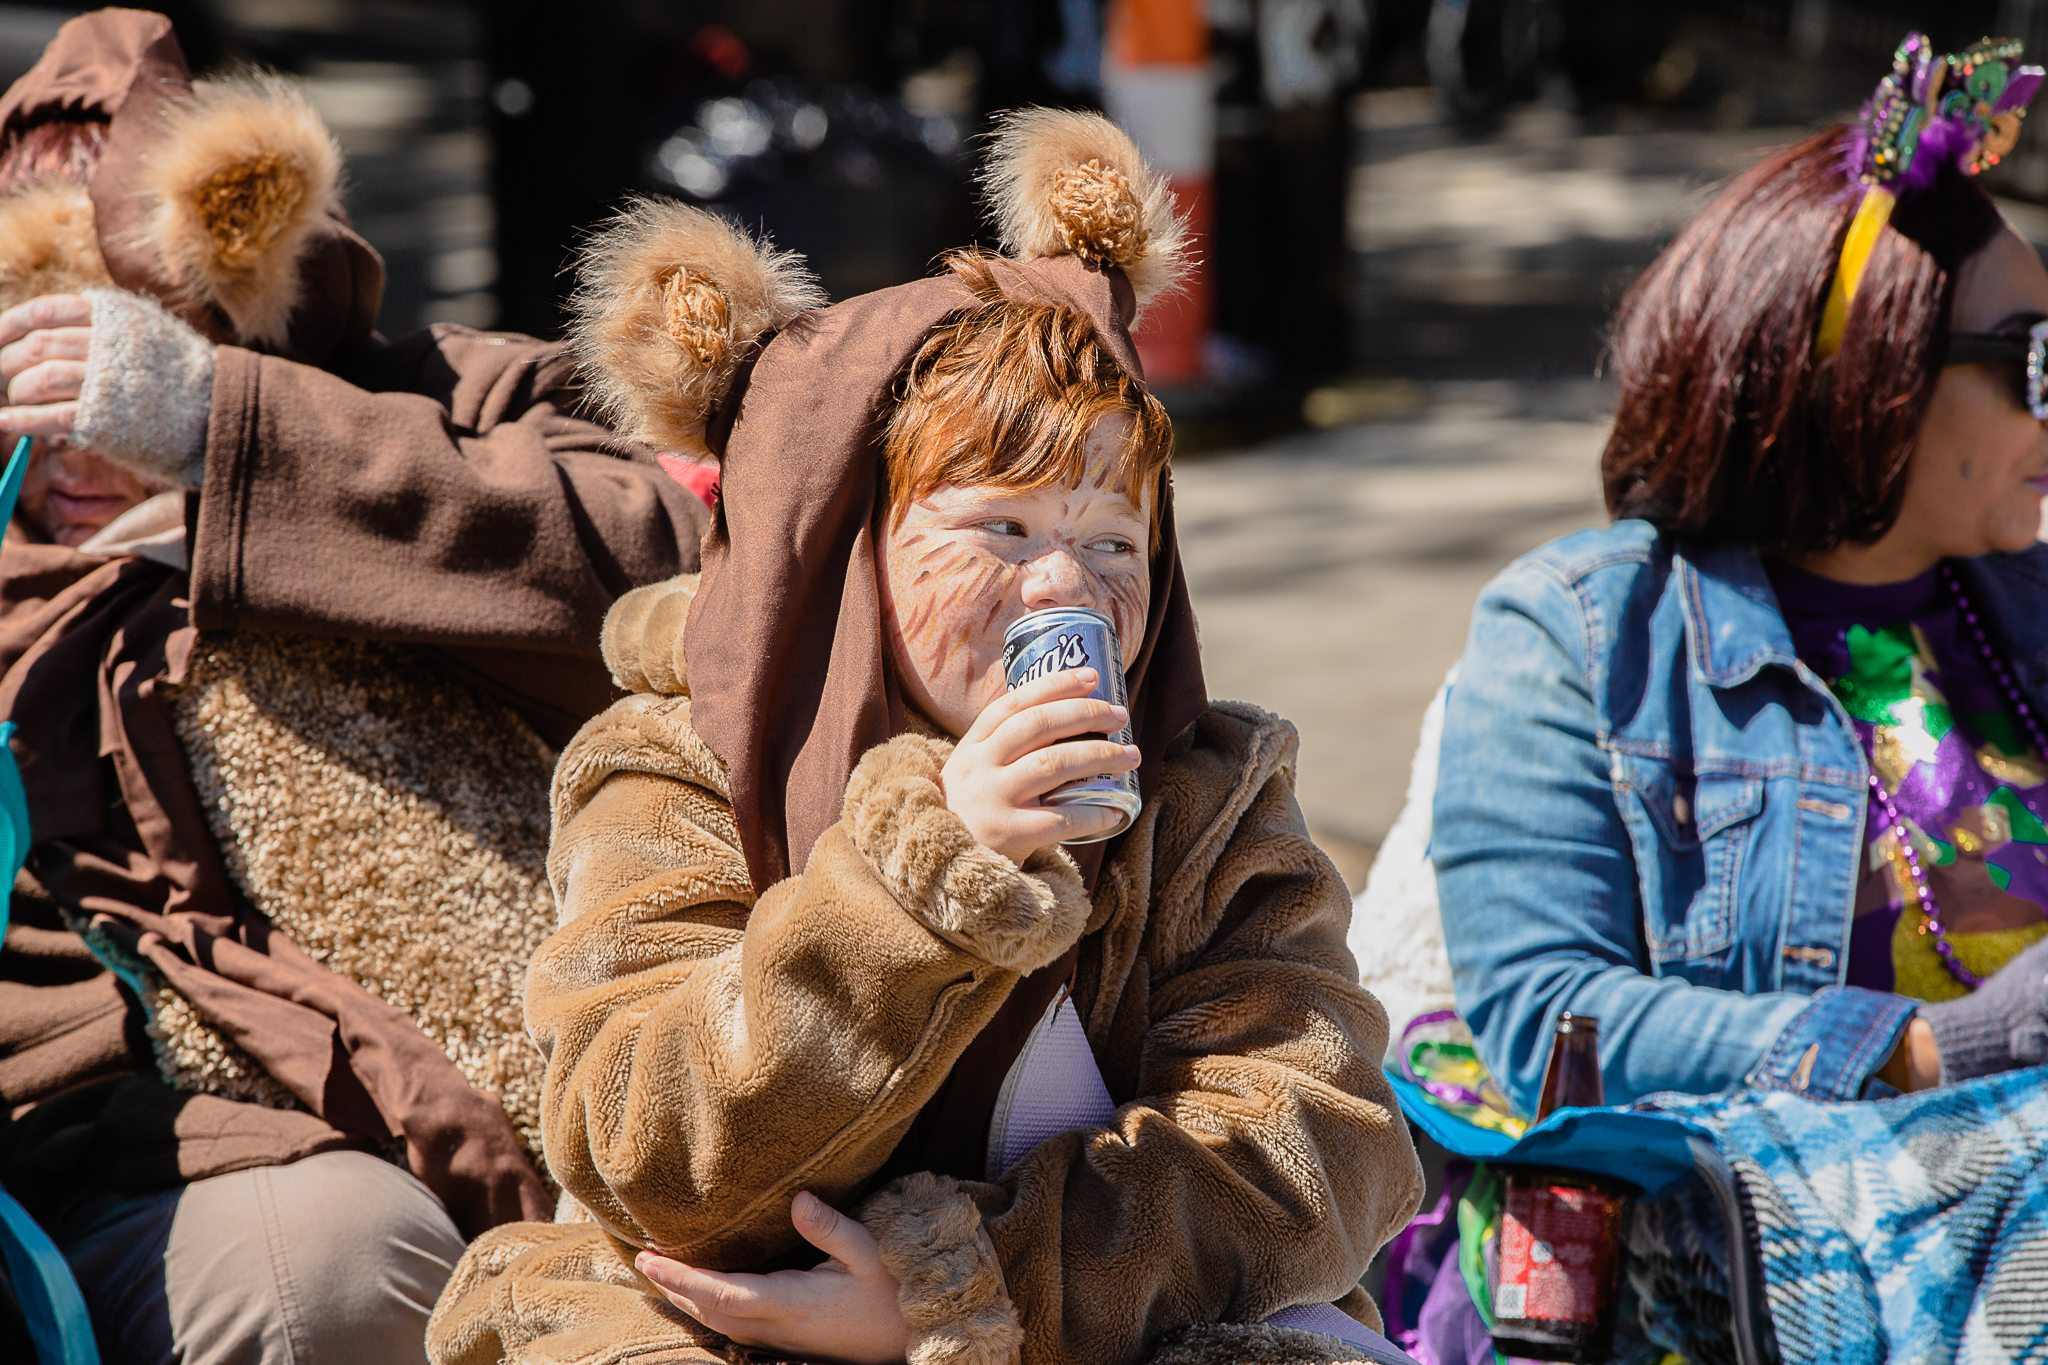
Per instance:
{"type": "Point", "coordinates": [711, 1053]}
{"type": "Point", "coordinates": [221, 199]}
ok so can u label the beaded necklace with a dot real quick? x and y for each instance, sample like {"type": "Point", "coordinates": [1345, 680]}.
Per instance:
{"type": "Point", "coordinates": [2001, 671]}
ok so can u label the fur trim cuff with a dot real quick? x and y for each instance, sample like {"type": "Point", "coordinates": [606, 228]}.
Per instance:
{"type": "Point", "coordinates": [950, 1283]}
{"type": "Point", "coordinates": [668, 299]}
{"type": "Point", "coordinates": [147, 390]}
{"type": "Point", "coordinates": [1061, 183]}
{"type": "Point", "coordinates": [897, 816]}
{"type": "Point", "coordinates": [643, 637]}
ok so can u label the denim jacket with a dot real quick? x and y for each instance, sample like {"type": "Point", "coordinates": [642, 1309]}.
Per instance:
{"type": "Point", "coordinates": [1650, 811]}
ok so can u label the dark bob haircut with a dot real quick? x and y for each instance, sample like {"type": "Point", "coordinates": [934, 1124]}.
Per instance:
{"type": "Point", "coordinates": [1727, 429]}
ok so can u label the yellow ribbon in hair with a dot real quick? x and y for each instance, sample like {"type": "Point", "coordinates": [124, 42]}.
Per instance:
{"type": "Point", "coordinates": [1871, 216]}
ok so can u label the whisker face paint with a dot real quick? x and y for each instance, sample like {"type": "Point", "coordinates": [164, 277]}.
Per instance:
{"type": "Point", "coordinates": [1056, 640]}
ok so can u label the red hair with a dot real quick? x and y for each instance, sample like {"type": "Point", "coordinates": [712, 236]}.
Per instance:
{"type": "Point", "coordinates": [1006, 394]}
{"type": "Point", "coordinates": [61, 147]}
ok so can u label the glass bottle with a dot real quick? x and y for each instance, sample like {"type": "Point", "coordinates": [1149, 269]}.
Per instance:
{"type": "Point", "coordinates": [1572, 1080]}
{"type": "Point", "coordinates": [1560, 1238]}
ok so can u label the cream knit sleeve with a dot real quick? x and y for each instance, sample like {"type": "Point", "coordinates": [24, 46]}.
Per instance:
{"type": "Point", "coordinates": [148, 389]}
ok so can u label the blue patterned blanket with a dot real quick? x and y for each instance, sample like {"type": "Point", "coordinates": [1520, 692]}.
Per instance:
{"type": "Point", "coordinates": [1906, 1230]}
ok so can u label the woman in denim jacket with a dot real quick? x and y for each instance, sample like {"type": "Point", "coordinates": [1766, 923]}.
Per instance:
{"type": "Point", "coordinates": [1655, 803]}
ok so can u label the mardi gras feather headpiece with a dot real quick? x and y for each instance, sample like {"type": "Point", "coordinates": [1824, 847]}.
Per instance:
{"type": "Point", "coordinates": [1962, 109]}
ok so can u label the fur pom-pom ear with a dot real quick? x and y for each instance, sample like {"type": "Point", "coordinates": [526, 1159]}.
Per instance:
{"type": "Point", "coordinates": [1061, 183]}
{"type": "Point", "coordinates": [48, 244]}
{"type": "Point", "coordinates": [667, 299]}
{"type": "Point", "coordinates": [241, 176]}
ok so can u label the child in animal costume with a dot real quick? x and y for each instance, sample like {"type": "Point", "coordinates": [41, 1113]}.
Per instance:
{"type": "Point", "coordinates": [822, 947]}
{"type": "Point", "coordinates": [290, 623]}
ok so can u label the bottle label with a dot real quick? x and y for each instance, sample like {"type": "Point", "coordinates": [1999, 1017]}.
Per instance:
{"type": "Point", "coordinates": [1556, 1248]}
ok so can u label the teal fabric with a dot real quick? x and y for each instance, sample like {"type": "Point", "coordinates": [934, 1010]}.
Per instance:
{"type": "Point", "coordinates": [1650, 1150]}
{"type": "Point", "coordinates": [57, 1320]}
{"type": "Point", "coordinates": [1911, 1229]}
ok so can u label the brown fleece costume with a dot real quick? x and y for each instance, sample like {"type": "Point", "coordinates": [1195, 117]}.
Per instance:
{"type": "Point", "coordinates": [296, 791]}
{"type": "Point", "coordinates": [714, 1048]}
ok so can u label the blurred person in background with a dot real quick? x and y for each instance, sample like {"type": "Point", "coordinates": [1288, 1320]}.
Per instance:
{"type": "Point", "coordinates": [823, 948]}
{"type": "Point", "coordinates": [291, 620]}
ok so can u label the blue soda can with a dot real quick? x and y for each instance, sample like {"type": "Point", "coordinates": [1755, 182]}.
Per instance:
{"type": "Point", "coordinates": [1053, 641]}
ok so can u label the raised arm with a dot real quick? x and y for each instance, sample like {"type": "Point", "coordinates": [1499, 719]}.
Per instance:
{"type": "Point", "coordinates": [465, 511]}
{"type": "Point", "coordinates": [439, 491]}
{"type": "Point", "coordinates": [461, 507]}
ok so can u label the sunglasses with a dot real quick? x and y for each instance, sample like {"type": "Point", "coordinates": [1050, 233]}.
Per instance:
{"type": "Point", "coordinates": [2028, 348]}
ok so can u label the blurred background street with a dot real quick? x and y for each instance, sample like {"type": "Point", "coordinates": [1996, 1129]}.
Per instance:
{"type": "Point", "coordinates": [1415, 218]}
{"type": "Point", "coordinates": [1333, 572]}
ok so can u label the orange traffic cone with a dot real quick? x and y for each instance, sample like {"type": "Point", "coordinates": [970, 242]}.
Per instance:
{"type": "Point", "coordinates": [1156, 84]}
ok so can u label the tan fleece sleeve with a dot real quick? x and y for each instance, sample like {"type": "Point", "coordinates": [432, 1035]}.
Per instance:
{"type": "Point", "coordinates": [710, 1057]}
{"type": "Point", "coordinates": [1263, 1159]}
{"type": "Point", "coordinates": [556, 1292]}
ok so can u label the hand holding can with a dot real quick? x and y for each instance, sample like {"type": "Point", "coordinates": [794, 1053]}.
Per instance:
{"type": "Point", "coordinates": [1056, 639]}
{"type": "Point", "coordinates": [1042, 736]}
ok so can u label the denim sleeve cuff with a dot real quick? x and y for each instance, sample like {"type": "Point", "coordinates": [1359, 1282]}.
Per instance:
{"type": "Point", "coordinates": [1831, 1047]}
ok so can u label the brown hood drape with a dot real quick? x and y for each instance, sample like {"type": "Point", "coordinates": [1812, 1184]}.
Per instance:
{"type": "Point", "coordinates": [323, 448]}
{"type": "Point", "coordinates": [789, 682]}
{"type": "Point", "coordinates": [125, 66]}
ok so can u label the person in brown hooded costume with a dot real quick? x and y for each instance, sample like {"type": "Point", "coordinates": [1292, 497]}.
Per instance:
{"type": "Point", "coordinates": [291, 620]}
{"type": "Point", "coordinates": [821, 945]}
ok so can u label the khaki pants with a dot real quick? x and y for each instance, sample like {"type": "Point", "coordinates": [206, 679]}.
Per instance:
{"type": "Point", "coordinates": [333, 1260]}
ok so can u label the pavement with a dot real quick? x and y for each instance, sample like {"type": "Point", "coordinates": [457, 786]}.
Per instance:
{"type": "Point", "coordinates": [1333, 572]}
{"type": "Point", "coordinates": [1504, 257]}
